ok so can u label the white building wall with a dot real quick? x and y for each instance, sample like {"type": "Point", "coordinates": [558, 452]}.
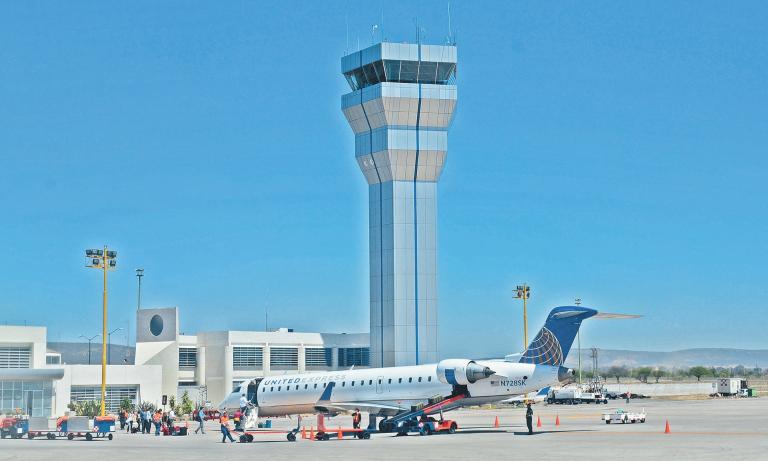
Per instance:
{"type": "Point", "coordinates": [148, 378]}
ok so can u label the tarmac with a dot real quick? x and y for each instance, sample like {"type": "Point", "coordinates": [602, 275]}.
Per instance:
{"type": "Point", "coordinates": [700, 429]}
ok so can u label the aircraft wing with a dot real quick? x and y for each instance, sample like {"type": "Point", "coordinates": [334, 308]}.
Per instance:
{"type": "Point", "coordinates": [324, 404]}
{"type": "Point", "coordinates": [348, 407]}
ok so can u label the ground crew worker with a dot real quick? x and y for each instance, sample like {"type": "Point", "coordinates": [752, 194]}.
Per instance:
{"type": "Point", "coordinates": [356, 418]}
{"type": "Point", "coordinates": [201, 421]}
{"type": "Point", "coordinates": [157, 419]}
{"type": "Point", "coordinates": [224, 421]}
{"type": "Point", "coordinates": [529, 419]}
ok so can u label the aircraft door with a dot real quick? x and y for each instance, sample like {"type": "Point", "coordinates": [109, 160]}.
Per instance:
{"type": "Point", "coordinates": [253, 391]}
{"type": "Point", "coordinates": [380, 385]}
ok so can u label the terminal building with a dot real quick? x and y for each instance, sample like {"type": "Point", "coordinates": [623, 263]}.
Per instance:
{"type": "Point", "coordinates": [35, 381]}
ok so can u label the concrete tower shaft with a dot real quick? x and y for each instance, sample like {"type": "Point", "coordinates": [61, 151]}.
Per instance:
{"type": "Point", "coordinates": [400, 108]}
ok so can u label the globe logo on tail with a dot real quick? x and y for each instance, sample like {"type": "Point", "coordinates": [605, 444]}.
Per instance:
{"type": "Point", "coordinates": [544, 350]}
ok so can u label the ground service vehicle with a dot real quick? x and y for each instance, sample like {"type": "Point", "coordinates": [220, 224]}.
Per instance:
{"type": "Point", "coordinates": [623, 417]}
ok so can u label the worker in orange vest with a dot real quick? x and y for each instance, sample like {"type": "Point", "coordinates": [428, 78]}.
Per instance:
{"type": "Point", "coordinates": [224, 421]}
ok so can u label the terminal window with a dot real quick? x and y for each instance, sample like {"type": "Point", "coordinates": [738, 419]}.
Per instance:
{"type": "Point", "coordinates": [247, 357]}
{"type": "Point", "coordinates": [33, 397]}
{"type": "Point", "coordinates": [284, 358]}
{"type": "Point", "coordinates": [357, 356]}
{"type": "Point", "coordinates": [187, 357]}
{"type": "Point", "coordinates": [14, 357]}
{"type": "Point", "coordinates": [321, 357]}
{"type": "Point", "coordinates": [114, 395]}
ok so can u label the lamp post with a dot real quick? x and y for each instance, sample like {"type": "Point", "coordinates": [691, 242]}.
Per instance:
{"type": "Point", "coordinates": [524, 292]}
{"type": "Point", "coordinates": [89, 345]}
{"type": "Point", "coordinates": [577, 301]}
{"type": "Point", "coordinates": [109, 344]}
{"type": "Point", "coordinates": [105, 260]}
{"type": "Point", "coordinates": [139, 275]}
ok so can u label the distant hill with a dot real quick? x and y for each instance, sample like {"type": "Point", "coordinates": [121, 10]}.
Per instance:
{"type": "Point", "coordinates": [675, 359]}
{"type": "Point", "coordinates": [77, 353]}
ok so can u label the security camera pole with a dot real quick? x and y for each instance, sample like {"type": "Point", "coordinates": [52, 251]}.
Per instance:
{"type": "Point", "coordinates": [106, 261]}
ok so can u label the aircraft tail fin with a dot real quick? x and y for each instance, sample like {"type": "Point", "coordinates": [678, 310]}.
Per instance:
{"type": "Point", "coordinates": [554, 340]}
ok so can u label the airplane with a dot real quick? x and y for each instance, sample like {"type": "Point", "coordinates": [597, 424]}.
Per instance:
{"type": "Point", "coordinates": [531, 397]}
{"type": "Point", "coordinates": [402, 394]}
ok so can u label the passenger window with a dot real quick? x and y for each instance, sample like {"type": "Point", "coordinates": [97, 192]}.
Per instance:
{"type": "Point", "coordinates": [353, 383]}
{"type": "Point", "coordinates": [297, 387]}
{"type": "Point", "coordinates": [343, 383]}
{"type": "Point", "coordinates": [410, 380]}
{"type": "Point", "coordinates": [370, 382]}
{"type": "Point", "coordinates": [272, 389]}
{"type": "Point", "coordinates": [390, 381]}
{"type": "Point", "coordinates": [315, 385]}
{"type": "Point", "coordinates": [362, 382]}
{"type": "Point", "coordinates": [278, 388]}
{"type": "Point", "coordinates": [429, 378]}
{"type": "Point", "coordinates": [419, 378]}
{"type": "Point", "coordinates": [325, 384]}
{"type": "Point", "coordinates": [399, 380]}
{"type": "Point", "coordinates": [306, 385]}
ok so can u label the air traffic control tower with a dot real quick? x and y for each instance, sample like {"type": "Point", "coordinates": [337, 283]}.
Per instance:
{"type": "Point", "coordinates": [400, 108]}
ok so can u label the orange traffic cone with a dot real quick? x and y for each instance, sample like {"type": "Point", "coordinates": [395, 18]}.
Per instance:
{"type": "Point", "coordinates": [666, 429]}
{"type": "Point", "coordinates": [304, 432]}
{"type": "Point", "coordinates": [496, 422]}
{"type": "Point", "coordinates": [311, 433]}
{"type": "Point", "coordinates": [538, 421]}
{"type": "Point", "coordinates": [557, 420]}
{"type": "Point", "coordinates": [340, 434]}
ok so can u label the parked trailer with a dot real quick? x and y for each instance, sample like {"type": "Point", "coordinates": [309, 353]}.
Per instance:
{"type": "Point", "coordinates": [41, 426]}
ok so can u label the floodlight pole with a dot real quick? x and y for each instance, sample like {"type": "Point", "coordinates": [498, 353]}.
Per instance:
{"type": "Point", "coordinates": [524, 292]}
{"type": "Point", "coordinates": [105, 262]}
{"type": "Point", "coordinates": [139, 275]}
{"type": "Point", "coordinates": [578, 339]}
{"type": "Point", "coordinates": [104, 336]}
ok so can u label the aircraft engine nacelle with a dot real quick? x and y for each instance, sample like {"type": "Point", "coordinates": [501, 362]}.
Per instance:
{"type": "Point", "coordinates": [461, 371]}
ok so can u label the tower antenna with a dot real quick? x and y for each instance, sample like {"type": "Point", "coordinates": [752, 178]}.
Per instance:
{"type": "Point", "coordinates": [346, 23]}
{"type": "Point", "coordinates": [450, 34]}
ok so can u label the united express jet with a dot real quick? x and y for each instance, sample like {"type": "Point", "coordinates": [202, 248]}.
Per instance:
{"type": "Point", "coordinates": [397, 393]}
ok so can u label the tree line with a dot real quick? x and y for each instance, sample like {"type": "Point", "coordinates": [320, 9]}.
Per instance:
{"type": "Point", "coordinates": [644, 374]}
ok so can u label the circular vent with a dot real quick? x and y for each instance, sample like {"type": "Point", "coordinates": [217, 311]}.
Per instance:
{"type": "Point", "coordinates": [156, 325]}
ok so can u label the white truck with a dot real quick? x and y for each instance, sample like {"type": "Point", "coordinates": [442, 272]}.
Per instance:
{"type": "Point", "coordinates": [731, 386]}
{"type": "Point", "coordinates": [593, 397]}
{"type": "Point", "coordinates": [623, 417]}
{"type": "Point", "coordinates": [569, 395]}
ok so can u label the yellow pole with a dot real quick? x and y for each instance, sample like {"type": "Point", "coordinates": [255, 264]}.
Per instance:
{"type": "Point", "coordinates": [104, 337]}
{"type": "Point", "coordinates": [525, 315]}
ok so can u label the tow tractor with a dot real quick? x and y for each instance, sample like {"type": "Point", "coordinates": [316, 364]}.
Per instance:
{"type": "Point", "coordinates": [432, 426]}
{"type": "Point", "coordinates": [409, 421]}
{"type": "Point", "coordinates": [14, 428]}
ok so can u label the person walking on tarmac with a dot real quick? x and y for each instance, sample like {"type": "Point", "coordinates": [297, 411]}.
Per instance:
{"type": "Point", "coordinates": [201, 421]}
{"type": "Point", "coordinates": [356, 418]}
{"type": "Point", "coordinates": [224, 421]}
{"type": "Point", "coordinates": [529, 419]}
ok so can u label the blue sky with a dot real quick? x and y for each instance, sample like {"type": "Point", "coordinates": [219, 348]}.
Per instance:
{"type": "Point", "coordinates": [613, 151]}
